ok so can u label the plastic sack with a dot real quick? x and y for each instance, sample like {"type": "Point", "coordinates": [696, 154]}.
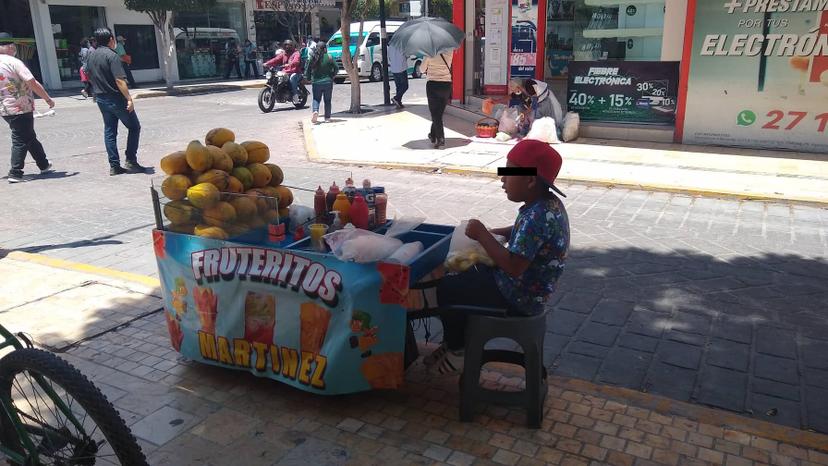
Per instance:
{"type": "Point", "coordinates": [509, 121]}
{"type": "Point", "coordinates": [406, 252]}
{"type": "Point", "coordinates": [488, 106]}
{"type": "Point", "coordinates": [502, 137]}
{"type": "Point", "coordinates": [543, 129]}
{"type": "Point", "coordinates": [404, 225]}
{"type": "Point", "coordinates": [338, 237]}
{"type": "Point", "coordinates": [465, 252]}
{"type": "Point", "coordinates": [300, 215]}
{"type": "Point", "coordinates": [369, 248]}
{"type": "Point", "coordinates": [571, 122]}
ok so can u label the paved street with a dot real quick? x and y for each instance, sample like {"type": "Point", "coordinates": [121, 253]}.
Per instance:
{"type": "Point", "coordinates": [714, 301]}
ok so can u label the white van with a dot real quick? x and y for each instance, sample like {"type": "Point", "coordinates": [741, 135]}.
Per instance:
{"type": "Point", "coordinates": [370, 50]}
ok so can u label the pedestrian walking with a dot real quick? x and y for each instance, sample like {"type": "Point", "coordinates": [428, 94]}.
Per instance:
{"type": "Point", "coordinates": [438, 92]}
{"type": "Point", "coordinates": [231, 54]}
{"type": "Point", "coordinates": [250, 57]}
{"type": "Point", "coordinates": [83, 56]}
{"type": "Point", "coordinates": [106, 72]}
{"type": "Point", "coordinates": [126, 60]}
{"type": "Point", "coordinates": [17, 108]}
{"type": "Point", "coordinates": [398, 65]}
{"type": "Point", "coordinates": [320, 72]}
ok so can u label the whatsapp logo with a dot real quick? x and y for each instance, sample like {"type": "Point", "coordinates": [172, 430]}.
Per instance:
{"type": "Point", "coordinates": [746, 118]}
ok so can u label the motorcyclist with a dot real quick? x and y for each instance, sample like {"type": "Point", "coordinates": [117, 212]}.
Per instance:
{"type": "Point", "coordinates": [292, 65]}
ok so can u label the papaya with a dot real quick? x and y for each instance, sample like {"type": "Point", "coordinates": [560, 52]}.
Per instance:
{"type": "Point", "coordinates": [264, 202]}
{"type": "Point", "coordinates": [276, 174]}
{"type": "Point", "coordinates": [217, 178]}
{"type": "Point", "coordinates": [194, 177]}
{"type": "Point", "coordinates": [180, 212]}
{"type": "Point", "coordinates": [256, 223]}
{"type": "Point", "coordinates": [257, 152]}
{"type": "Point", "coordinates": [175, 163]}
{"type": "Point", "coordinates": [271, 216]}
{"type": "Point", "coordinates": [245, 207]}
{"type": "Point", "coordinates": [185, 228]}
{"type": "Point", "coordinates": [261, 174]}
{"type": "Point", "coordinates": [285, 196]}
{"type": "Point", "coordinates": [218, 136]}
{"type": "Point", "coordinates": [284, 212]}
{"type": "Point", "coordinates": [243, 175]}
{"type": "Point", "coordinates": [175, 187]}
{"type": "Point", "coordinates": [222, 213]}
{"type": "Point", "coordinates": [234, 185]}
{"type": "Point", "coordinates": [203, 195]}
{"type": "Point", "coordinates": [208, 231]}
{"type": "Point", "coordinates": [221, 161]}
{"type": "Point", "coordinates": [236, 152]}
{"type": "Point", "coordinates": [197, 157]}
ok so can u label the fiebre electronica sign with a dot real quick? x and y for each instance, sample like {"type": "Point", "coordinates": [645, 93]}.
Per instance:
{"type": "Point", "coordinates": [758, 75]}
{"type": "Point", "coordinates": [624, 91]}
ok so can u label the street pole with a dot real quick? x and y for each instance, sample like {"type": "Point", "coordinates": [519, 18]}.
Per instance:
{"type": "Point", "coordinates": [386, 89]}
{"type": "Point", "coordinates": [425, 3]}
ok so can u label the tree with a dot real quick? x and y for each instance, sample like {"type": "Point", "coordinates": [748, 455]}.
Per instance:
{"type": "Point", "coordinates": [295, 15]}
{"type": "Point", "coordinates": [352, 9]}
{"type": "Point", "coordinates": [442, 8]}
{"type": "Point", "coordinates": [162, 14]}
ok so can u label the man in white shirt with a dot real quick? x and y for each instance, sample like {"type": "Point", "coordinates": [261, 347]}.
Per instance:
{"type": "Point", "coordinates": [17, 108]}
{"type": "Point", "coordinates": [398, 65]}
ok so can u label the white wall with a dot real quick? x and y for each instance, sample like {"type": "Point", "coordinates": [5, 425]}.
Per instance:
{"type": "Point", "coordinates": [674, 21]}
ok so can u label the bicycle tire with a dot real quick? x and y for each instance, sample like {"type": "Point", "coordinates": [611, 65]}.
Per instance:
{"type": "Point", "coordinates": [87, 395]}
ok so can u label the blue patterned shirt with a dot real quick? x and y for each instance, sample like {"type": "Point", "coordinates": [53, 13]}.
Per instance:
{"type": "Point", "coordinates": [541, 235]}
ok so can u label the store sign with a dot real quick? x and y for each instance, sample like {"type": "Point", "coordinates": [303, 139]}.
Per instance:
{"type": "Point", "coordinates": [301, 5]}
{"type": "Point", "coordinates": [624, 91]}
{"type": "Point", "coordinates": [758, 75]}
{"type": "Point", "coordinates": [524, 47]}
{"type": "Point", "coordinates": [495, 62]}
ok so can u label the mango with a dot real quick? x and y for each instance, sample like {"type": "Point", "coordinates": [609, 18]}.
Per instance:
{"type": "Point", "coordinates": [261, 174]}
{"type": "Point", "coordinates": [277, 176]}
{"type": "Point", "coordinates": [203, 195]}
{"type": "Point", "coordinates": [217, 178]}
{"type": "Point", "coordinates": [245, 207]}
{"type": "Point", "coordinates": [218, 136]}
{"type": "Point", "coordinates": [197, 157]}
{"type": "Point", "coordinates": [221, 161]}
{"type": "Point", "coordinates": [285, 212]}
{"type": "Point", "coordinates": [236, 152]}
{"type": "Point", "coordinates": [264, 202]}
{"type": "Point", "coordinates": [257, 152]}
{"type": "Point", "coordinates": [243, 175]}
{"type": "Point", "coordinates": [175, 187]}
{"type": "Point", "coordinates": [285, 196]}
{"type": "Point", "coordinates": [271, 216]}
{"type": "Point", "coordinates": [234, 185]}
{"type": "Point", "coordinates": [185, 228]}
{"type": "Point", "coordinates": [175, 163]}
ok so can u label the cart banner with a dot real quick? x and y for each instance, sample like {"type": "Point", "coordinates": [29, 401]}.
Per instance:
{"type": "Point", "coordinates": [524, 56]}
{"type": "Point", "coordinates": [758, 75]}
{"type": "Point", "coordinates": [624, 91]}
{"type": "Point", "coordinates": [300, 317]}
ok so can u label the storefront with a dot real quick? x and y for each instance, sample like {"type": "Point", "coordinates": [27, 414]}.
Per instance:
{"type": "Point", "coordinates": [17, 21]}
{"type": "Point", "coordinates": [746, 74]}
{"type": "Point", "coordinates": [203, 37]}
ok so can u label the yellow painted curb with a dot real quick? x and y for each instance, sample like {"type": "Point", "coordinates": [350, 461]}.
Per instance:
{"type": "Point", "coordinates": [86, 268]}
{"type": "Point", "coordinates": [310, 143]}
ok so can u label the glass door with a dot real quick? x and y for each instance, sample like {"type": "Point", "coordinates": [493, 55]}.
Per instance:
{"type": "Point", "coordinates": [70, 26]}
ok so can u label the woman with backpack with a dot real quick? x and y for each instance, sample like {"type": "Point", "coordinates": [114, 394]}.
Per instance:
{"type": "Point", "coordinates": [320, 72]}
{"type": "Point", "coordinates": [438, 92]}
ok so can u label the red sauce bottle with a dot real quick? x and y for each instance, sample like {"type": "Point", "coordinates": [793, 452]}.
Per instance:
{"type": "Point", "coordinates": [359, 212]}
{"type": "Point", "coordinates": [331, 197]}
{"type": "Point", "coordinates": [320, 208]}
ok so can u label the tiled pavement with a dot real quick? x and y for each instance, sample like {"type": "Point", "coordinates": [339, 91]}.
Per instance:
{"type": "Point", "coordinates": [715, 301]}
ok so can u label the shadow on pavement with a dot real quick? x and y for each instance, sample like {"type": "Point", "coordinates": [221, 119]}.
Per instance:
{"type": "Point", "coordinates": [48, 176]}
{"type": "Point", "coordinates": [425, 144]}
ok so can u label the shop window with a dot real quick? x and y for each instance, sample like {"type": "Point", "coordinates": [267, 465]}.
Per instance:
{"type": "Point", "coordinates": [202, 38]}
{"type": "Point", "coordinates": [17, 21]}
{"type": "Point", "coordinates": [140, 45]}
{"type": "Point", "coordinates": [70, 25]}
{"type": "Point", "coordinates": [609, 30]}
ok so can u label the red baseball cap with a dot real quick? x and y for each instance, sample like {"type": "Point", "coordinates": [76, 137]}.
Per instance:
{"type": "Point", "coordinates": [531, 153]}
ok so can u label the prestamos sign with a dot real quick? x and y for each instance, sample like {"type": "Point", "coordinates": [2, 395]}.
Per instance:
{"type": "Point", "coordinates": [759, 75]}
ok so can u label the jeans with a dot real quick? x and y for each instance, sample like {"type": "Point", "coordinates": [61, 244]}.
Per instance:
{"type": "Point", "coordinates": [113, 109]}
{"type": "Point", "coordinates": [24, 139]}
{"type": "Point", "coordinates": [295, 78]}
{"type": "Point", "coordinates": [229, 67]}
{"type": "Point", "coordinates": [474, 287]}
{"type": "Point", "coordinates": [401, 85]}
{"type": "Point", "coordinates": [438, 94]}
{"type": "Point", "coordinates": [248, 65]}
{"type": "Point", "coordinates": [320, 91]}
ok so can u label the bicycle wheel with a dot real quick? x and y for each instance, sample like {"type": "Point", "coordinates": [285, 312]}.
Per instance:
{"type": "Point", "coordinates": [73, 425]}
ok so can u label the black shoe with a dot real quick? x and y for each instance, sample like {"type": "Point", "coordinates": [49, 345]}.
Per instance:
{"type": "Point", "coordinates": [441, 142]}
{"type": "Point", "coordinates": [134, 167]}
{"type": "Point", "coordinates": [116, 170]}
{"type": "Point", "coordinates": [398, 102]}
{"type": "Point", "coordinates": [432, 138]}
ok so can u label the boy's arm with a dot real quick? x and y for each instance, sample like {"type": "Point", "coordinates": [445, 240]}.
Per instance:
{"type": "Point", "coordinates": [510, 263]}
{"type": "Point", "coordinates": [505, 231]}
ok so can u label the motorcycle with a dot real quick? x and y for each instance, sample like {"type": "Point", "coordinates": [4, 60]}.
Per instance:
{"type": "Point", "coordinates": [277, 89]}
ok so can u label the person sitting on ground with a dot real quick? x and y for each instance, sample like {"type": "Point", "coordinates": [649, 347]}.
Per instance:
{"type": "Point", "coordinates": [291, 62]}
{"type": "Point", "coordinates": [527, 270]}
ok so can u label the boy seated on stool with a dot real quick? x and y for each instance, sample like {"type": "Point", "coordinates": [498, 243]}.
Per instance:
{"type": "Point", "coordinates": [527, 270]}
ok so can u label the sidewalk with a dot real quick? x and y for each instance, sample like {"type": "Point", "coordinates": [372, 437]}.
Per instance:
{"type": "Point", "coordinates": [189, 414]}
{"type": "Point", "coordinates": [398, 138]}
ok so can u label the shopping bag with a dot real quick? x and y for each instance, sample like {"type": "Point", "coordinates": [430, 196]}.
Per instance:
{"type": "Point", "coordinates": [488, 106]}
{"type": "Point", "coordinates": [543, 129]}
{"type": "Point", "coordinates": [465, 252]}
{"type": "Point", "coordinates": [571, 123]}
{"type": "Point", "coordinates": [509, 121]}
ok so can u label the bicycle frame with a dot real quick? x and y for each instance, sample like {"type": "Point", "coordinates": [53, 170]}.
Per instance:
{"type": "Point", "coordinates": [11, 417]}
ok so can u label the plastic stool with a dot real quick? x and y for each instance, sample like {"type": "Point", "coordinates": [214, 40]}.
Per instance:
{"type": "Point", "coordinates": [484, 325]}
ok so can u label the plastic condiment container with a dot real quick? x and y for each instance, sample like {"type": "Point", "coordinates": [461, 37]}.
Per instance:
{"type": "Point", "coordinates": [330, 198]}
{"type": "Point", "coordinates": [380, 204]}
{"type": "Point", "coordinates": [359, 212]}
{"type": "Point", "coordinates": [317, 231]}
{"type": "Point", "coordinates": [349, 189]}
{"type": "Point", "coordinates": [343, 206]}
{"type": "Point", "coordinates": [319, 204]}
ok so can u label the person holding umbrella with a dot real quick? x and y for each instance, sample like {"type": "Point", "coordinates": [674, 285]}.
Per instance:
{"type": "Point", "coordinates": [435, 38]}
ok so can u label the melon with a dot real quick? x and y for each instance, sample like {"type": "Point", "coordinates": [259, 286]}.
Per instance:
{"type": "Point", "coordinates": [220, 214]}
{"type": "Point", "coordinates": [217, 178]}
{"type": "Point", "coordinates": [276, 174]}
{"type": "Point", "coordinates": [261, 174]}
{"type": "Point", "coordinates": [243, 175]}
{"type": "Point", "coordinates": [175, 163]}
{"type": "Point", "coordinates": [236, 152]}
{"type": "Point", "coordinates": [221, 161]}
{"type": "Point", "coordinates": [285, 196]}
{"type": "Point", "coordinates": [208, 231]}
{"type": "Point", "coordinates": [180, 212]}
{"type": "Point", "coordinates": [257, 152]}
{"type": "Point", "coordinates": [218, 136]}
{"type": "Point", "coordinates": [245, 207]}
{"type": "Point", "coordinates": [234, 185]}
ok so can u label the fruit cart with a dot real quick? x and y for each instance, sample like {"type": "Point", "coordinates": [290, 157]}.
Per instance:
{"type": "Point", "coordinates": [260, 300]}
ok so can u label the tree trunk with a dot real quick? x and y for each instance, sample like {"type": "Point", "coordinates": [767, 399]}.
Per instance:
{"type": "Point", "coordinates": [349, 61]}
{"type": "Point", "coordinates": [169, 47]}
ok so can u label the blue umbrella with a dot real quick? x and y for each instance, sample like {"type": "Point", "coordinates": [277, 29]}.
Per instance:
{"type": "Point", "coordinates": [427, 36]}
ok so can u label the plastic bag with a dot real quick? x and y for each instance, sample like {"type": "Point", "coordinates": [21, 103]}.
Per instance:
{"type": "Point", "coordinates": [300, 215]}
{"type": "Point", "coordinates": [338, 237]}
{"type": "Point", "coordinates": [509, 121]}
{"type": "Point", "coordinates": [571, 122]}
{"type": "Point", "coordinates": [502, 137]}
{"type": "Point", "coordinates": [369, 248]}
{"type": "Point", "coordinates": [465, 252]}
{"type": "Point", "coordinates": [544, 130]}
{"type": "Point", "coordinates": [406, 252]}
{"type": "Point", "coordinates": [404, 225]}
{"type": "Point", "coordinates": [488, 106]}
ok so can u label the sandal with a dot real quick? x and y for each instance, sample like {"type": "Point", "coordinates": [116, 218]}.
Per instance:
{"type": "Point", "coordinates": [435, 355]}
{"type": "Point", "coordinates": [450, 364]}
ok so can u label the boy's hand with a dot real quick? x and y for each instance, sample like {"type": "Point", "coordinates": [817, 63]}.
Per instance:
{"type": "Point", "coordinates": [475, 230]}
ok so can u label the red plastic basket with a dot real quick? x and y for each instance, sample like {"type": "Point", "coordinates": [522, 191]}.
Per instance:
{"type": "Point", "coordinates": [486, 130]}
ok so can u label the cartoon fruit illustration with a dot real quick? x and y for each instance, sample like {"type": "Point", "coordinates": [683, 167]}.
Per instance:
{"type": "Point", "coordinates": [285, 196]}
{"type": "Point", "coordinates": [236, 152]}
{"type": "Point", "coordinates": [245, 207]}
{"type": "Point", "coordinates": [243, 175]}
{"type": "Point", "coordinates": [800, 63]}
{"type": "Point", "coordinates": [175, 187]}
{"type": "Point", "coordinates": [208, 231]}
{"type": "Point", "coordinates": [203, 195]}
{"type": "Point", "coordinates": [261, 174]}
{"type": "Point", "coordinates": [175, 163]}
{"type": "Point", "coordinates": [234, 185]}
{"type": "Point", "coordinates": [221, 161]}
{"type": "Point", "coordinates": [217, 178]}
{"type": "Point", "coordinates": [218, 136]}
{"type": "Point", "coordinates": [197, 157]}
{"type": "Point", "coordinates": [206, 303]}
{"type": "Point", "coordinates": [257, 152]}
{"type": "Point", "coordinates": [277, 176]}
{"type": "Point", "coordinates": [219, 214]}
{"type": "Point", "coordinates": [180, 212]}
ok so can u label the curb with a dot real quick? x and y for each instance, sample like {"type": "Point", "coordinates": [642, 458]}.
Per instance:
{"type": "Point", "coordinates": [313, 155]}
{"type": "Point", "coordinates": [85, 268]}
{"type": "Point", "coordinates": [194, 90]}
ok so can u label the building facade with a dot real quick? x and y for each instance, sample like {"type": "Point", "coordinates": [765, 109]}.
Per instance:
{"type": "Point", "coordinates": [742, 73]}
